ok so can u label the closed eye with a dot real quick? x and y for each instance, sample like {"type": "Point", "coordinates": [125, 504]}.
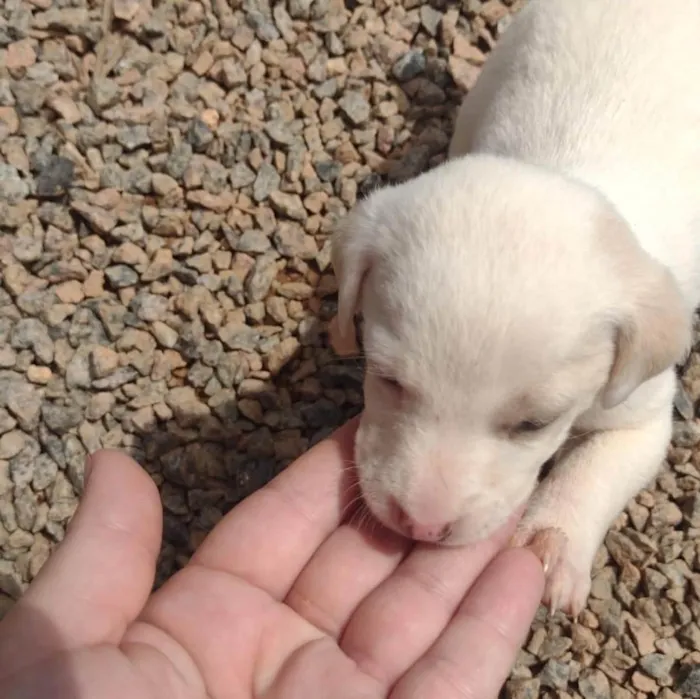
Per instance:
{"type": "Point", "coordinates": [389, 382]}
{"type": "Point", "coordinates": [392, 383]}
{"type": "Point", "coordinates": [530, 427]}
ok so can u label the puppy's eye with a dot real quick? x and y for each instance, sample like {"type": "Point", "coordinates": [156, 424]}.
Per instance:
{"type": "Point", "coordinates": [530, 426]}
{"type": "Point", "coordinates": [392, 383]}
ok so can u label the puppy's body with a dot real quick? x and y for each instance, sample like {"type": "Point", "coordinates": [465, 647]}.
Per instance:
{"type": "Point", "coordinates": [606, 93]}
{"type": "Point", "coordinates": [531, 296]}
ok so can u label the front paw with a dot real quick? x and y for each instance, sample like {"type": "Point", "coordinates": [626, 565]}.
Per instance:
{"type": "Point", "coordinates": [567, 573]}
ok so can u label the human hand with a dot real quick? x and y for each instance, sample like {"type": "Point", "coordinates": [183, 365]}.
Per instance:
{"type": "Point", "coordinates": [284, 599]}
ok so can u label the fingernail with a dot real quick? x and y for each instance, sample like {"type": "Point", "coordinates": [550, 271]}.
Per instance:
{"type": "Point", "coordinates": [538, 555]}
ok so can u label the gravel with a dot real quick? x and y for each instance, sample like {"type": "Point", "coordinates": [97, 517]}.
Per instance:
{"type": "Point", "coordinates": [169, 178]}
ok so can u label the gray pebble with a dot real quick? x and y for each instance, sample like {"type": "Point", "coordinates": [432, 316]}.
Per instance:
{"type": "Point", "coordinates": [593, 684]}
{"type": "Point", "coordinates": [657, 665]}
{"type": "Point", "coordinates": [10, 581]}
{"type": "Point", "coordinates": [149, 307]}
{"type": "Point", "coordinates": [7, 422]}
{"type": "Point", "coordinates": [555, 675]}
{"type": "Point", "coordinates": [253, 241]}
{"type": "Point", "coordinates": [280, 132]}
{"type": "Point", "coordinates": [60, 418]}
{"type": "Point", "coordinates": [26, 508]}
{"type": "Point", "coordinates": [24, 402]}
{"type": "Point", "coordinates": [199, 135]}
{"type": "Point", "coordinates": [30, 333]}
{"type": "Point", "coordinates": [55, 177]}
{"type": "Point", "coordinates": [102, 94]}
{"type": "Point", "coordinates": [686, 434]}
{"type": "Point", "coordinates": [116, 379]}
{"type": "Point", "coordinates": [241, 176]}
{"type": "Point", "coordinates": [266, 182]}
{"type": "Point", "coordinates": [689, 681]}
{"type": "Point", "coordinates": [409, 66]}
{"type": "Point", "coordinates": [264, 29]}
{"type": "Point", "coordinates": [44, 472]}
{"type": "Point", "coordinates": [259, 281]}
{"type": "Point", "coordinates": [430, 19]}
{"type": "Point", "coordinates": [12, 187]}
{"type": "Point", "coordinates": [120, 276]}
{"type": "Point", "coordinates": [178, 160]}
{"type": "Point", "coordinates": [355, 107]}
{"type": "Point", "coordinates": [133, 137]}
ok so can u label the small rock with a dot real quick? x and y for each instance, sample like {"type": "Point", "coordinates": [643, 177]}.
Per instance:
{"type": "Point", "coordinates": [187, 409]}
{"type": "Point", "coordinates": [688, 683]}
{"type": "Point", "coordinates": [686, 434]}
{"type": "Point", "coordinates": [253, 241]}
{"type": "Point", "coordinates": [103, 361]}
{"type": "Point", "coordinates": [241, 176]}
{"type": "Point", "coordinates": [133, 136]}
{"type": "Point", "coordinates": [99, 405]}
{"type": "Point", "coordinates": [24, 402]}
{"type": "Point", "coordinates": [14, 187]}
{"type": "Point", "coordinates": [464, 74]}
{"type": "Point", "coordinates": [258, 282]}
{"type": "Point", "coordinates": [593, 684]}
{"type": "Point", "coordinates": [282, 354]}
{"type": "Point", "coordinates": [30, 333]}
{"type": "Point", "coordinates": [410, 65]}
{"type": "Point", "coordinates": [555, 675]}
{"type": "Point", "coordinates": [430, 19]}
{"type": "Point", "coordinates": [120, 276]}
{"type": "Point", "coordinates": [522, 689]}
{"type": "Point", "coordinates": [355, 107]}
{"type": "Point", "coordinates": [20, 54]}
{"type": "Point", "coordinates": [55, 177]}
{"type": "Point", "coordinates": [658, 666]}
{"type": "Point", "coordinates": [266, 182]}
{"type": "Point", "coordinates": [644, 636]}
{"type": "Point", "coordinates": [199, 135]}
{"type": "Point", "coordinates": [161, 265]}
{"type": "Point", "coordinates": [289, 205]}
{"type": "Point", "coordinates": [65, 107]}
{"type": "Point", "coordinates": [102, 94]}
{"type": "Point", "coordinates": [10, 581]}
{"type": "Point", "coordinates": [125, 9]}
{"type": "Point", "coordinates": [12, 443]}
{"type": "Point", "coordinates": [60, 418]}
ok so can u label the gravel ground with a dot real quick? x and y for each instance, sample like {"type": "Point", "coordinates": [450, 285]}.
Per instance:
{"type": "Point", "coordinates": [169, 176]}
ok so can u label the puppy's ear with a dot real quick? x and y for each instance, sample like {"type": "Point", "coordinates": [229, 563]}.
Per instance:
{"type": "Point", "coordinates": [351, 255]}
{"type": "Point", "coordinates": [653, 326]}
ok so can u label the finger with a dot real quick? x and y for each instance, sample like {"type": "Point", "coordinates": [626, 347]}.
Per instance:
{"type": "Point", "coordinates": [403, 617]}
{"type": "Point", "coordinates": [473, 657]}
{"type": "Point", "coordinates": [354, 560]}
{"type": "Point", "coordinates": [99, 577]}
{"type": "Point", "coordinates": [269, 537]}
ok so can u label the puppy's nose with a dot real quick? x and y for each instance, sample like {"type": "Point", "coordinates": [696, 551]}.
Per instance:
{"type": "Point", "coordinates": [432, 532]}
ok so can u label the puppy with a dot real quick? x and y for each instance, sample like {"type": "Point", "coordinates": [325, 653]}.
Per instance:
{"type": "Point", "coordinates": [529, 298]}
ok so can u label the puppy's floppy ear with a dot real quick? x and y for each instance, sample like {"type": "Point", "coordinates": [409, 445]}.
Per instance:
{"type": "Point", "coordinates": [351, 255]}
{"type": "Point", "coordinates": [653, 325]}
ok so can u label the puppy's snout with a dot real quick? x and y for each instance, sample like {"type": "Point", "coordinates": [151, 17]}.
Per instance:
{"type": "Point", "coordinates": [432, 532]}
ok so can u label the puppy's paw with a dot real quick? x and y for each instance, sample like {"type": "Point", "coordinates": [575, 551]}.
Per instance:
{"type": "Point", "coordinates": [568, 578]}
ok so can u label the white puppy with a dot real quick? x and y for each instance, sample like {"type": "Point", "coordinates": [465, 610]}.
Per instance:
{"type": "Point", "coordinates": [531, 296]}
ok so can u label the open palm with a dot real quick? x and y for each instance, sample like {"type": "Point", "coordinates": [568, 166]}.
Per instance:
{"type": "Point", "coordinates": [284, 599]}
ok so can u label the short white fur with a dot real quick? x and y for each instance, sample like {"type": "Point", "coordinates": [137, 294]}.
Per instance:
{"type": "Point", "coordinates": [548, 271]}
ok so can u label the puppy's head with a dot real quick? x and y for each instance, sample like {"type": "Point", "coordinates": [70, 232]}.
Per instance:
{"type": "Point", "coordinates": [499, 303]}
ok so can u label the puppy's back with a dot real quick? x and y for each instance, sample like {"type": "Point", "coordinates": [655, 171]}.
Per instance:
{"type": "Point", "coordinates": [607, 92]}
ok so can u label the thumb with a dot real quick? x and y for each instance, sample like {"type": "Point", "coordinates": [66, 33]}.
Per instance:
{"type": "Point", "coordinates": [99, 577]}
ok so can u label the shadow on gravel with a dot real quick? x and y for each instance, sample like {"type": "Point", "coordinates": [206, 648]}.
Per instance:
{"type": "Point", "coordinates": [206, 463]}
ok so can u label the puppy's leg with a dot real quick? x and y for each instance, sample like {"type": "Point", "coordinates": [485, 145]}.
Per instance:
{"type": "Point", "coordinates": [571, 510]}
